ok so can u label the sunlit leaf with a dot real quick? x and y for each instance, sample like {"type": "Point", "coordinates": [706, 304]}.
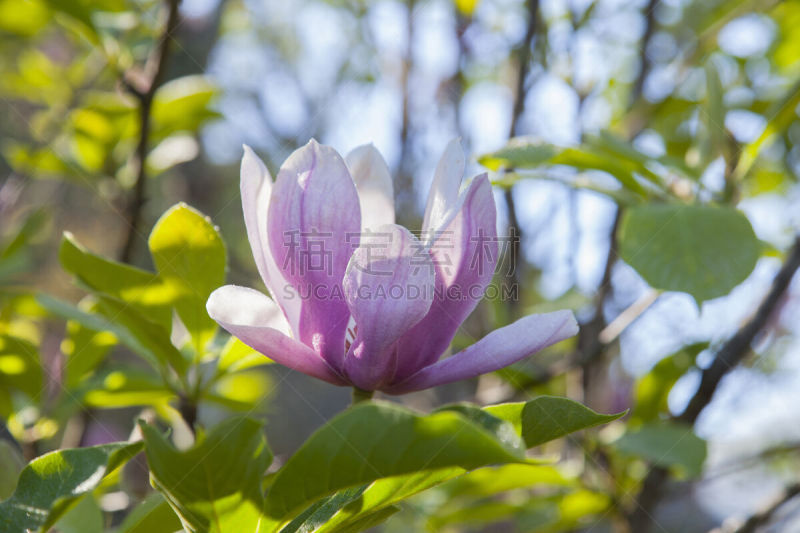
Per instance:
{"type": "Point", "coordinates": [703, 250]}
{"type": "Point", "coordinates": [125, 387]}
{"type": "Point", "coordinates": [182, 104]}
{"type": "Point", "coordinates": [349, 509]}
{"type": "Point", "coordinates": [23, 18]}
{"type": "Point", "coordinates": [85, 517]}
{"type": "Point", "coordinates": [153, 515]}
{"type": "Point", "coordinates": [190, 255]}
{"type": "Point", "coordinates": [779, 117]}
{"type": "Point", "coordinates": [142, 290]}
{"type": "Point", "coordinates": [142, 337]}
{"type": "Point", "coordinates": [376, 440]}
{"type": "Point", "coordinates": [652, 390]}
{"type": "Point", "coordinates": [20, 366]}
{"type": "Point", "coordinates": [214, 486]}
{"type": "Point", "coordinates": [51, 484]}
{"type": "Point", "coordinates": [548, 417]}
{"type": "Point", "coordinates": [489, 481]}
{"type": "Point", "coordinates": [236, 356]}
{"type": "Point", "coordinates": [466, 7]}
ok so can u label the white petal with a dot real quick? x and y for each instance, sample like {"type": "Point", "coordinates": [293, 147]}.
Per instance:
{"type": "Point", "coordinates": [243, 306]}
{"type": "Point", "coordinates": [374, 184]}
{"type": "Point", "coordinates": [444, 189]}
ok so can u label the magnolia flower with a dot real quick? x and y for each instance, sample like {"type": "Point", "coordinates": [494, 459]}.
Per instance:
{"type": "Point", "coordinates": [359, 300]}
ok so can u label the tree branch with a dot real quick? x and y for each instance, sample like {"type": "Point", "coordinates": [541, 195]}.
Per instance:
{"type": "Point", "coordinates": [763, 517]}
{"type": "Point", "coordinates": [524, 51]}
{"type": "Point", "coordinates": [144, 91]}
{"type": "Point", "coordinates": [644, 61]}
{"type": "Point", "coordinates": [730, 355]}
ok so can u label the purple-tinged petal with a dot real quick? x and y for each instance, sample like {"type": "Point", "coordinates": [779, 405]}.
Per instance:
{"type": "Point", "coordinates": [465, 252]}
{"type": "Point", "coordinates": [496, 350]}
{"type": "Point", "coordinates": [374, 184]}
{"type": "Point", "coordinates": [389, 288]}
{"type": "Point", "coordinates": [443, 195]}
{"type": "Point", "coordinates": [313, 223]}
{"type": "Point", "coordinates": [256, 187]}
{"type": "Point", "coordinates": [253, 318]}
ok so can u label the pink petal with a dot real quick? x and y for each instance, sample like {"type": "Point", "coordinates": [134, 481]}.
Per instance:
{"type": "Point", "coordinates": [389, 288]}
{"type": "Point", "coordinates": [256, 186]}
{"type": "Point", "coordinates": [465, 253]}
{"type": "Point", "coordinates": [313, 223]}
{"type": "Point", "coordinates": [496, 350]}
{"type": "Point", "coordinates": [253, 318]}
{"type": "Point", "coordinates": [444, 189]}
{"type": "Point", "coordinates": [374, 184]}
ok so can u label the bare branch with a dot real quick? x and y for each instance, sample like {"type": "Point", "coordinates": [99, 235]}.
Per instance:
{"type": "Point", "coordinates": [144, 90]}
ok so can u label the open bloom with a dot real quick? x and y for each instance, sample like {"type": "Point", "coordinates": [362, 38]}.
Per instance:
{"type": "Point", "coordinates": [357, 299]}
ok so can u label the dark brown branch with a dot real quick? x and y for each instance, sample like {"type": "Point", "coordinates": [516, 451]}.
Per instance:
{"type": "Point", "coordinates": [644, 61]}
{"type": "Point", "coordinates": [524, 62]}
{"type": "Point", "coordinates": [404, 186]}
{"type": "Point", "coordinates": [763, 517]}
{"type": "Point", "coordinates": [730, 355]}
{"type": "Point", "coordinates": [144, 89]}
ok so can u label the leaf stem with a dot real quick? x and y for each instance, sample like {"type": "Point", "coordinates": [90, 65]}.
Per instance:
{"type": "Point", "coordinates": [360, 395]}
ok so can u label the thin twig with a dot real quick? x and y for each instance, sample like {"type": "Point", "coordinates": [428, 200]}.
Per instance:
{"type": "Point", "coordinates": [144, 91]}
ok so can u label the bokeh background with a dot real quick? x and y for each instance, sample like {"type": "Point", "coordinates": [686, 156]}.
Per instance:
{"type": "Point", "coordinates": [693, 82]}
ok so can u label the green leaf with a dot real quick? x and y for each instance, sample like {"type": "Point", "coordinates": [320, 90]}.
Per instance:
{"type": "Point", "coordinates": [154, 338]}
{"type": "Point", "coordinates": [125, 387]}
{"type": "Point", "coordinates": [377, 440]}
{"type": "Point", "coordinates": [11, 464]}
{"type": "Point", "coordinates": [214, 486]}
{"type": "Point", "coordinates": [144, 338]}
{"type": "Point", "coordinates": [20, 366]}
{"type": "Point", "coordinates": [182, 104]}
{"type": "Point", "coordinates": [54, 482]}
{"type": "Point", "coordinates": [666, 444]}
{"type": "Point", "coordinates": [714, 115]}
{"type": "Point", "coordinates": [780, 116]}
{"type": "Point", "coordinates": [152, 515]}
{"type": "Point", "coordinates": [466, 7]}
{"type": "Point", "coordinates": [348, 509]}
{"type": "Point", "coordinates": [30, 228]}
{"type": "Point", "coordinates": [23, 18]}
{"type": "Point", "coordinates": [85, 517]}
{"type": "Point", "coordinates": [702, 250]}
{"type": "Point", "coordinates": [236, 356]}
{"type": "Point", "coordinates": [548, 417]}
{"type": "Point", "coordinates": [489, 481]}
{"type": "Point", "coordinates": [190, 255]}
{"type": "Point", "coordinates": [144, 291]}
{"type": "Point", "coordinates": [520, 153]}
{"type": "Point", "coordinates": [652, 389]}
{"type": "Point", "coordinates": [602, 152]}
{"type": "Point", "coordinates": [84, 349]}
